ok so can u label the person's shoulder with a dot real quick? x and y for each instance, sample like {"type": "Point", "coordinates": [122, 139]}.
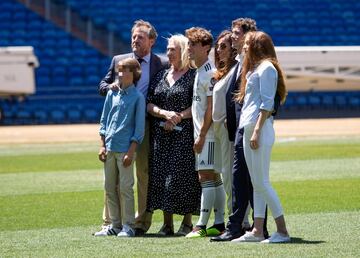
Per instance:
{"type": "Point", "coordinates": [209, 67]}
{"type": "Point", "coordinates": [207, 72]}
{"type": "Point", "coordinates": [137, 93]}
{"type": "Point", "coordinates": [160, 74]}
{"type": "Point", "coordinates": [122, 56]}
{"type": "Point", "coordinates": [192, 71]}
{"type": "Point", "coordinates": [160, 59]}
{"type": "Point", "coordinates": [110, 92]}
{"type": "Point", "coordinates": [266, 65]}
{"type": "Point", "coordinates": [110, 95]}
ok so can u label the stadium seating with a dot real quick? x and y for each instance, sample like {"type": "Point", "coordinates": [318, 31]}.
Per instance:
{"type": "Point", "coordinates": [70, 70]}
{"type": "Point", "coordinates": [290, 23]}
{"type": "Point", "coordinates": [65, 63]}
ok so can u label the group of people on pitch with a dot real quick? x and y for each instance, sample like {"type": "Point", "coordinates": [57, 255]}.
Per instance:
{"type": "Point", "coordinates": [199, 134]}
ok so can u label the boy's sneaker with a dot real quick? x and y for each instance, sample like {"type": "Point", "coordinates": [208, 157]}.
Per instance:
{"type": "Point", "coordinates": [126, 231]}
{"type": "Point", "coordinates": [108, 231]}
{"type": "Point", "coordinates": [197, 232]}
{"type": "Point", "coordinates": [215, 230]}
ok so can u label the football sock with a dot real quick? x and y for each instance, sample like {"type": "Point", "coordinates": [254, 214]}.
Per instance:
{"type": "Point", "coordinates": [220, 227]}
{"type": "Point", "coordinates": [207, 202]}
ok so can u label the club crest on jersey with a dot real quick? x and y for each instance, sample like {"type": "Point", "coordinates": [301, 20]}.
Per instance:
{"type": "Point", "coordinates": [213, 81]}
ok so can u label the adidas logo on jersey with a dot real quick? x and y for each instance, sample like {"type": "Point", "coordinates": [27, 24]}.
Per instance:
{"type": "Point", "coordinates": [207, 67]}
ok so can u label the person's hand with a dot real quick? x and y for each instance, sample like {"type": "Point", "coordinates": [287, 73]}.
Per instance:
{"type": "Point", "coordinates": [199, 144]}
{"type": "Point", "coordinates": [254, 140]}
{"type": "Point", "coordinates": [114, 86]}
{"type": "Point", "coordinates": [173, 117]}
{"type": "Point", "coordinates": [102, 154]}
{"type": "Point", "coordinates": [127, 159]}
{"type": "Point", "coordinates": [225, 123]}
{"type": "Point", "coordinates": [169, 126]}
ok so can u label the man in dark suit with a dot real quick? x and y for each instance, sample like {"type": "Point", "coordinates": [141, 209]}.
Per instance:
{"type": "Point", "coordinates": [242, 187]}
{"type": "Point", "coordinates": [143, 37]}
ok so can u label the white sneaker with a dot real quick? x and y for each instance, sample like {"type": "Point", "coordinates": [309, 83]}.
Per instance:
{"type": "Point", "coordinates": [248, 237]}
{"type": "Point", "coordinates": [277, 238]}
{"type": "Point", "coordinates": [126, 231]}
{"type": "Point", "coordinates": [108, 231]}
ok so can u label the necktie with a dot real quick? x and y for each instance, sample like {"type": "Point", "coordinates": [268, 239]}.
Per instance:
{"type": "Point", "coordinates": [140, 60]}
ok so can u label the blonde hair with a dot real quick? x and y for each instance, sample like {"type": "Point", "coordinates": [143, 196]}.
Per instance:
{"type": "Point", "coordinates": [181, 41]}
{"type": "Point", "coordinates": [133, 65]}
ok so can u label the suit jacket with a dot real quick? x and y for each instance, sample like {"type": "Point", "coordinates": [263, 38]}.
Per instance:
{"type": "Point", "coordinates": [233, 109]}
{"type": "Point", "coordinates": [156, 64]}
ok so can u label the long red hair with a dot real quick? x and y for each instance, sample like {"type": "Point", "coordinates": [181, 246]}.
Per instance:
{"type": "Point", "coordinates": [260, 48]}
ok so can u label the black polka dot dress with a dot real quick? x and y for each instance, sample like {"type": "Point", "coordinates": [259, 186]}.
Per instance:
{"type": "Point", "coordinates": [173, 181]}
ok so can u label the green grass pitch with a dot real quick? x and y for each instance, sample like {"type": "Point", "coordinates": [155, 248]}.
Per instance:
{"type": "Point", "coordinates": [51, 202]}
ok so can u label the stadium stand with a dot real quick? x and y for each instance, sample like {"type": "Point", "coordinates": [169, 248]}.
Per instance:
{"type": "Point", "coordinates": [68, 75]}
{"type": "Point", "coordinates": [290, 23]}
{"type": "Point", "coordinates": [70, 69]}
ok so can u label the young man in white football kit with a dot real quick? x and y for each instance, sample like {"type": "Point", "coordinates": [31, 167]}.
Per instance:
{"type": "Point", "coordinates": [213, 194]}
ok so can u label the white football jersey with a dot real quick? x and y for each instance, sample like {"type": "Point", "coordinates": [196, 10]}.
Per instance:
{"type": "Point", "coordinates": [203, 87]}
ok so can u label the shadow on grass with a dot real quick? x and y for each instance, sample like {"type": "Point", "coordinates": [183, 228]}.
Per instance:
{"type": "Point", "coordinates": [155, 235]}
{"type": "Point", "coordinates": [298, 240]}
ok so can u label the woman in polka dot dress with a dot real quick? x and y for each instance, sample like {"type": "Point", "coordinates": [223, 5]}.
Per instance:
{"type": "Point", "coordinates": [173, 182]}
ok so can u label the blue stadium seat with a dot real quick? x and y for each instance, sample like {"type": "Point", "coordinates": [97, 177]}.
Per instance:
{"type": "Point", "coordinates": [41, 117]}
{"type": "Point", "coordinates": [328, 101]}
{"type": "Point", "coordinates": [77, 81]}
{"type": "Point", "coordinates": [57, 116]}
{"type": "Point", "coordinates": [341, 101]}
{"type": "Point", "coordinates": [74, 115]}
{"type": "Point", "coordinates": [314, 100]}
{"type": "Point", "coordinates": [23, 116]}
{"type": "Point", "coordinates": [92, 80]}
{"type": "Point", "coordinates": [60, 80]}
{"type": "Point", "coordinates": [354, 102]}
{"type": "Point", "coordinates": [301, 100]}
{"type": "Point", "coordinates": [91, 115]}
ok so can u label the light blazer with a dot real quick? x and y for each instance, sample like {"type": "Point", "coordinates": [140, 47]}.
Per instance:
{"type": "Point", "coordinates": [233, 108]}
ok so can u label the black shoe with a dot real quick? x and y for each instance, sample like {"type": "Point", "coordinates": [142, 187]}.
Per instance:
{"type": "Point", "coordinates": [139, 232]}
{"type": "Point", "coordinates": [166, 230]}
{"type": "Point", "coordinates": [226, 236]}
{"type": "Point", "coordinates": [244, 230]}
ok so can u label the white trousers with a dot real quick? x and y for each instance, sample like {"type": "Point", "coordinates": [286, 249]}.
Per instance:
{"type": "Point", "coordinates": [258, 162]}
{"type": "Point", "coordinates": [119, 183]}
{"type": "Point", "coordinates": [224, 159]}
